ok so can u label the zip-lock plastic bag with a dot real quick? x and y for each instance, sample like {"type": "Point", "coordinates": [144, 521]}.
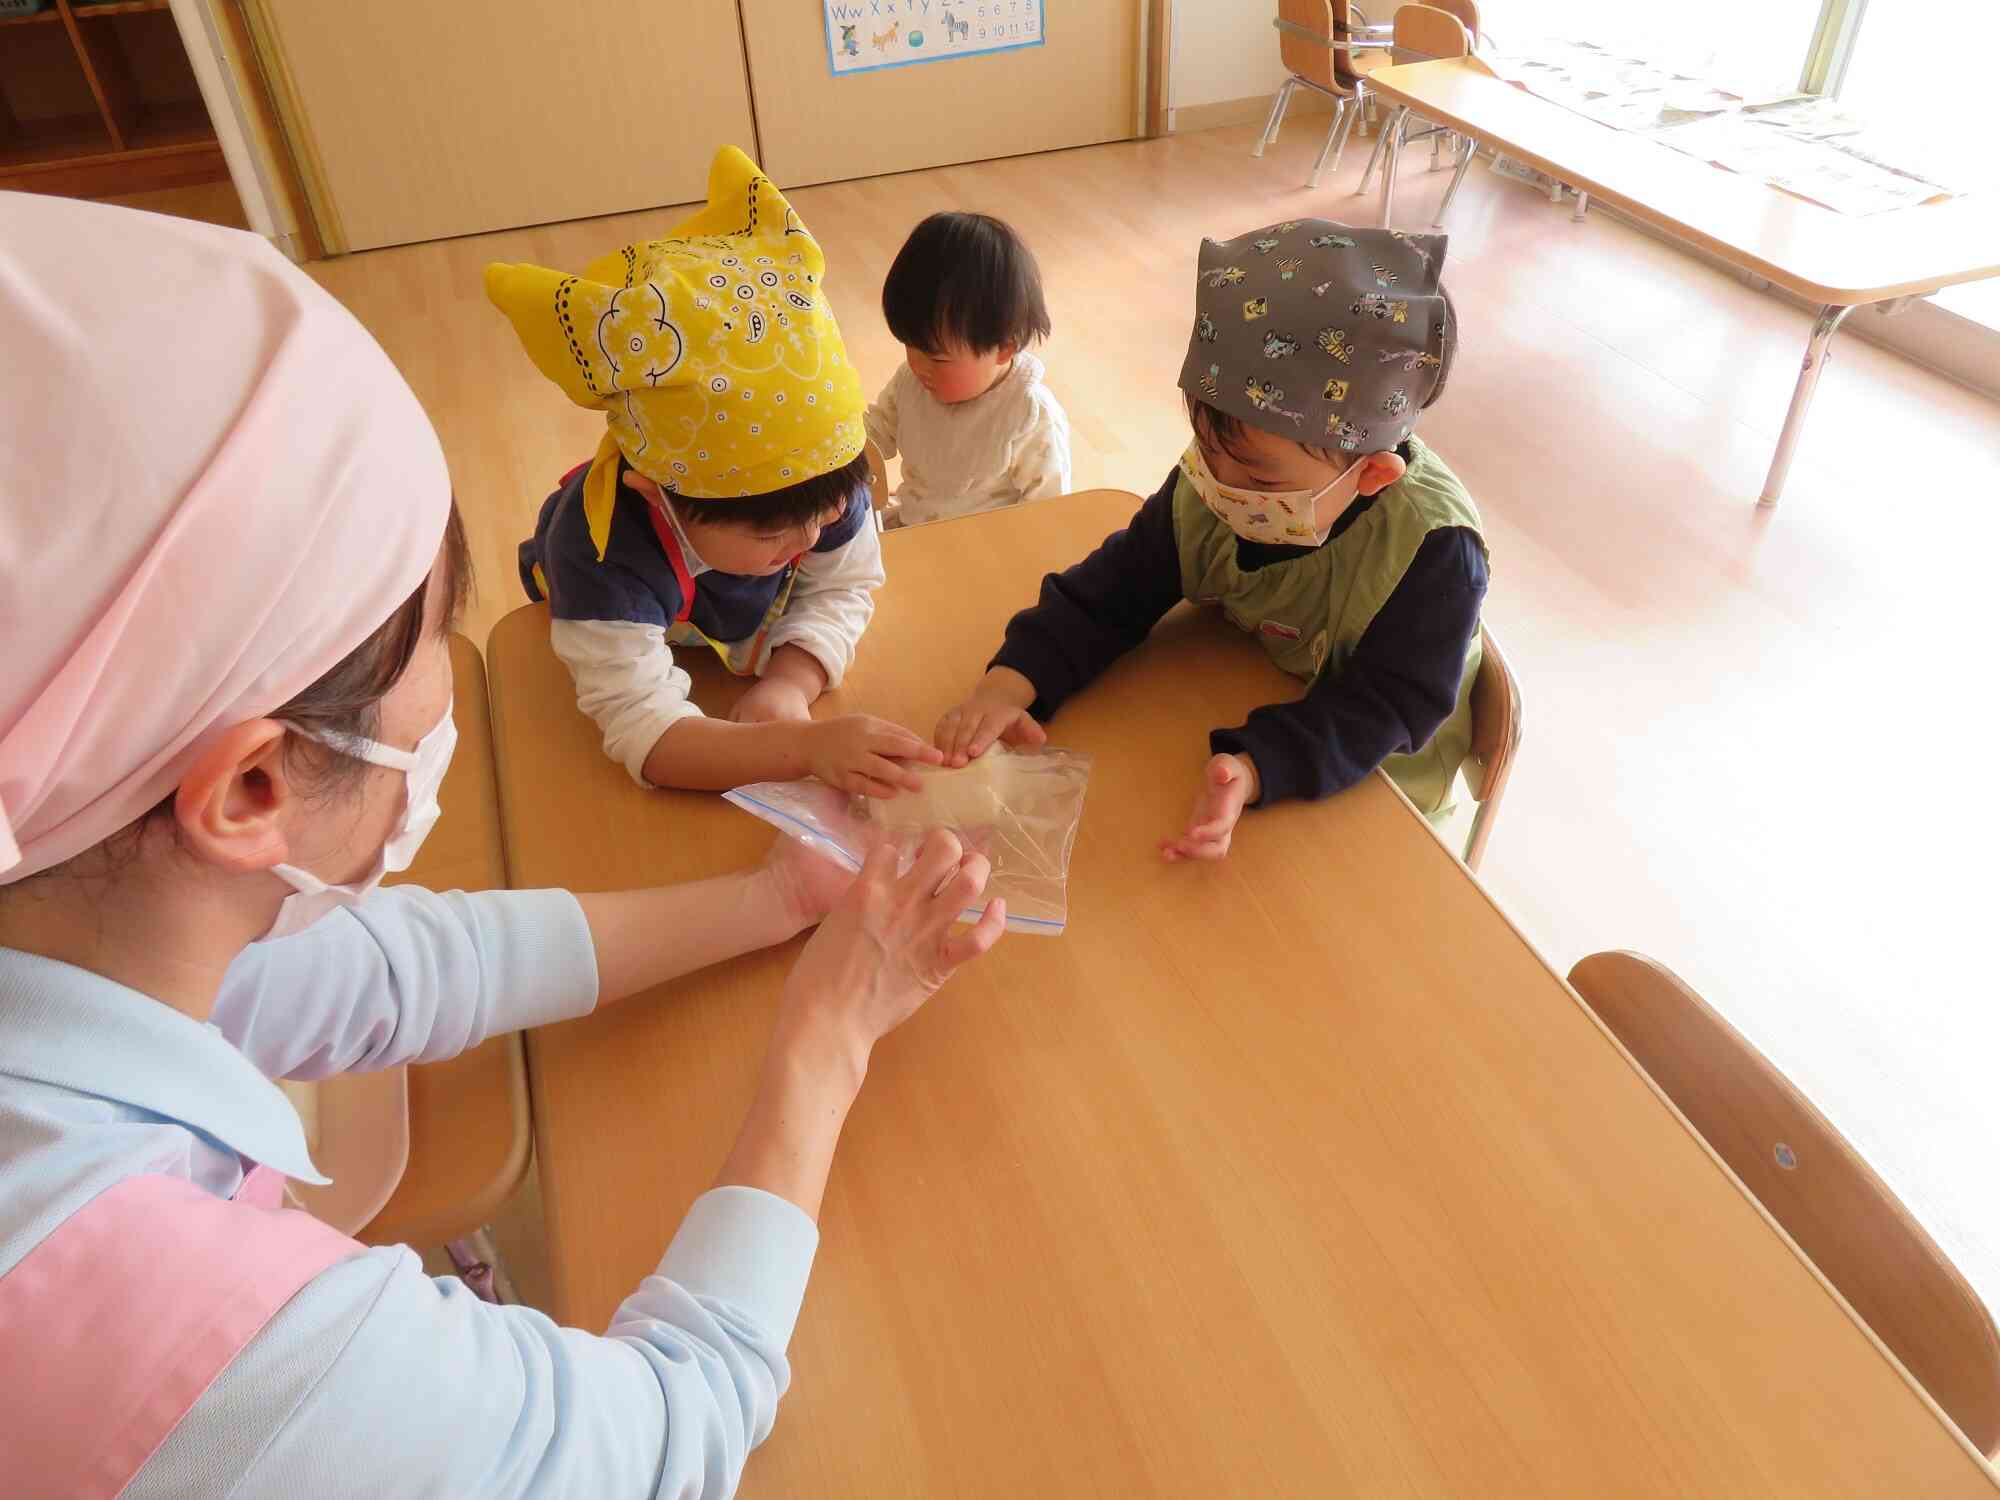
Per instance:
{"type": "Point", "coordinates": [1020, 808]}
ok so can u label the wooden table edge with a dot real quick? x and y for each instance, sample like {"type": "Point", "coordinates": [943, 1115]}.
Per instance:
{"type": "Point", "coordinates": [1832, 1292]}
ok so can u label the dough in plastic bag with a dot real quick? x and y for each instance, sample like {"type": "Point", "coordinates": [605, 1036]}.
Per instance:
{"type": "Point", "coordinates": [979, 795]}
{"type": "Point", "coordinates": [1020, 808]}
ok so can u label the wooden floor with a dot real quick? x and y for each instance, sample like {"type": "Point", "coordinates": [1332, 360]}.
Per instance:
{"type": "Point", "coordinates": [1758, 743]}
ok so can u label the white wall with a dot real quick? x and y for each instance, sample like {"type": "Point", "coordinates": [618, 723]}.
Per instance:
{"type": "Point", "coordinates": [1223, 50]}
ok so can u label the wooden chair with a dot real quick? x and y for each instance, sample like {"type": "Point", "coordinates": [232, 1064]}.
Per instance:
{"type": "Point", "coordinates": [1314, 40]}
{"type": "Point", "coordinates": [878, 475]}
{"type": "Point", "coordinates": [469, 1121]}
{"type": "Point", "coordinates": [1812, 1182]}
{"type": "Point", "coordinates": [1422, 32]}
{"type": "Point", "coordinates": [1496, 735]}
{"type": "Point", "coordinates": [1467, 14]}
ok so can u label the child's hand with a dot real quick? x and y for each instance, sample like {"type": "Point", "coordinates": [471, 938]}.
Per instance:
{"type": "Point", "coordinates": [1228, 785]}
{"type": "Point", "coordinates": [772, 701]}
{"type": "Point", "coordinates": [997, 710]}
{"type": "Point", "coordinates": [861, 754]}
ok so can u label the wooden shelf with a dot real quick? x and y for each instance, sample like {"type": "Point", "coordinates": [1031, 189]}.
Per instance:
{"type": "Point", "coordinates": [166, 128]}
{"type": "Point", "coordinates": [147, 132]}
{"type": "Point", "coordinates": [67, 139]}
{"type": "Point", "coordinates": [116, 8]}
{"type": "Point", "coordinates": [39, 18]}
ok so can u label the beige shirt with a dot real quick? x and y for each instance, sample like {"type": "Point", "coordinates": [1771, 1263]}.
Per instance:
{"type": "Point", "coordinates": [1009, 445]}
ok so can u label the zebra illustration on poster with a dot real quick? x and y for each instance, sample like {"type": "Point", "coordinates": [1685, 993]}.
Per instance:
{"type": "Point", "coordinates": [866, 36]}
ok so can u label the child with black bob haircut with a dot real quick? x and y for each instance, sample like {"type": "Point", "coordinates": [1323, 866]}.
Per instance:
{"type": "Point", "coordinates": [968, 412]}
{"type": "Point", "coordinates": [728, 506]}
{"type": "Point", "coordinates": [1308, 511]}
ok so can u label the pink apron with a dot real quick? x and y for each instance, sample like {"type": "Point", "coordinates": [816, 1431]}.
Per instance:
{"type": "Point", "coordinates": [120, 1319]}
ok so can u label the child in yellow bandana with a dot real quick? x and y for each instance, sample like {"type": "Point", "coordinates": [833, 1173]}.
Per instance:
{"type": "Point", "coordinates": [727, 508]}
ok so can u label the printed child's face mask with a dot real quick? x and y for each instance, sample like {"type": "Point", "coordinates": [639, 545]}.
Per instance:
{"type": "Point", "coordinates": [1286, 519]}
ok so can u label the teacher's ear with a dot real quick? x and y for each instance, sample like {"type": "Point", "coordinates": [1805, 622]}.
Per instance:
{"type": "Point", "coordinates": [232, 804]}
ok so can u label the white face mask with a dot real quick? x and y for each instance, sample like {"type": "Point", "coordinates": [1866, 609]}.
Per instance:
{"type": "Point", "coordinates": [423, 773]}
{"type": "Point", "coordinates": [1286, 519]}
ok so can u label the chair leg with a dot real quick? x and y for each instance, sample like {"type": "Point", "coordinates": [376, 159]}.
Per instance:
{"type": "Point", "coordinates": [1336, 140]}
{"type": "Point", "coordinates": [1457, 176]}
{"type": "Point", "coordinates": [1392, 135]}
{"type": "Point", "coordinates": [1374, 160]}
{"type": "Point", "coordinates": [1275, 121]}
{"type": "Point", "coordinates": [1477, 835]}
{"type": "Point", "coordinates": [1824, 327]}
{"type": "Point", "coordinates": [479, 1266]}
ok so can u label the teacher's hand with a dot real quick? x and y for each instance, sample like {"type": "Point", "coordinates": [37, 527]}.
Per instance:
{"type": "Point", "coordinates": [805, 885]}
{"type": "Point", "coordinates": [888, 945]}
{"type": "Point", "coordinates": [882, 952]}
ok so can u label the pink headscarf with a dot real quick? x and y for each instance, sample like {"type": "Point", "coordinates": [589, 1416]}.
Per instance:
{"type": "Point", "coordinates": [216, 487]}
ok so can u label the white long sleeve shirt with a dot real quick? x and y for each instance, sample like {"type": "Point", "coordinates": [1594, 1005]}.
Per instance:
{"type": "Point", "coordinates": [376, 1379]}
{"type": "Point", "coordinates": [1007, 446]}
{"type": "Point", "coordinates": [625, 675]}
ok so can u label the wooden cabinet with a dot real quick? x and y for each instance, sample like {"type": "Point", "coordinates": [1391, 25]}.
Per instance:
{"type": "Point", "coordinates": [417, 121]}
{"type": "Point", "coordinates": [450, 117]}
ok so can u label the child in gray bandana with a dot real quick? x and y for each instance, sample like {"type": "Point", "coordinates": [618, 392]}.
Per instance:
{"type": "Point", "coordinates": [1308, 511]}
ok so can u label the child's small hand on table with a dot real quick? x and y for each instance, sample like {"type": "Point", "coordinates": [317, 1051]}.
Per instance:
{"type": "Point", "coordinates": [1229, 784]}
{"type": "Point", "coordinates": [997, 710]}
{"type": "Point", "coordinates": [772, 701]}
{"type": "Point", "coordinates": [857, 753]}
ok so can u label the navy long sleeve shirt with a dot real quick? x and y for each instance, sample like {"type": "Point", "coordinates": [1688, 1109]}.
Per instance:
{"type": "Point", "coordinates": [1389, 697]}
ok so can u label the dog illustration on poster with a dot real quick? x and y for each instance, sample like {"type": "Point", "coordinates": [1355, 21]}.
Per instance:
{"type": "Point", "coordinates": [884, 40]}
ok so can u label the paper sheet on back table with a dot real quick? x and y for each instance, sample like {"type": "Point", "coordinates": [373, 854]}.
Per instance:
{"type": "Point", "coordinates": [863, 36]}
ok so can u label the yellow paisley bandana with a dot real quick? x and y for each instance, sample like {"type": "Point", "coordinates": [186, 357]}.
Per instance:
{"type": "Point", "coordinates": [712, 352]}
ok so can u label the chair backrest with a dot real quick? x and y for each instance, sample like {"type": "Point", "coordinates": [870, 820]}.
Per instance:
{"type": "Point", "coordinates": [1496, 721]}
{"type": "Point", "coordinates": [1426, 30]}
{"type": "Point", "coordinates": [1313, 63]}
{"type": "Point", "coordinates": [1345, 18]}
{"type": "Point", "coordinates": [1811, 1180]}
{"type": "Point", "coordinates": [1467, 13]}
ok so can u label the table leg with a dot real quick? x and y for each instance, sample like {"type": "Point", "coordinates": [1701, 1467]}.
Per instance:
{"type": "Point", "coordinates": [1457, 176]}
{"type": "Point", "coordinates": [1392, 140]}
{"type": "Point", "coordinates": [1824, 327]}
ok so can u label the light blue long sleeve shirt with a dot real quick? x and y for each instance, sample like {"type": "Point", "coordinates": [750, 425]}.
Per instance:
{"type": "Point", "coordinates": [377, 1379]}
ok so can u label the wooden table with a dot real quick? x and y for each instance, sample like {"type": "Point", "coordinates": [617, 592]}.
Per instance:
{"type": "Point", "coordinates": [1300, 1175]}
{"type": "Point", "coordinates": [1839, 261]}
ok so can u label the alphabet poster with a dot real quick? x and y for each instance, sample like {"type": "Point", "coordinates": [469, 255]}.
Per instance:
{"type": "Point", "coordinates": [863, 36]}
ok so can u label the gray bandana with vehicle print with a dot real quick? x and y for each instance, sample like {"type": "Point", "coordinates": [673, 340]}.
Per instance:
{"type": "Point", "coordinates": [1324, 333]}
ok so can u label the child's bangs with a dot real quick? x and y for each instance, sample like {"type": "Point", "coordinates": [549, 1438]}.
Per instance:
{"type": "Point", "coordinates": [811, 501]}
{"type": "Point", "coordinates": [1219, 429]}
